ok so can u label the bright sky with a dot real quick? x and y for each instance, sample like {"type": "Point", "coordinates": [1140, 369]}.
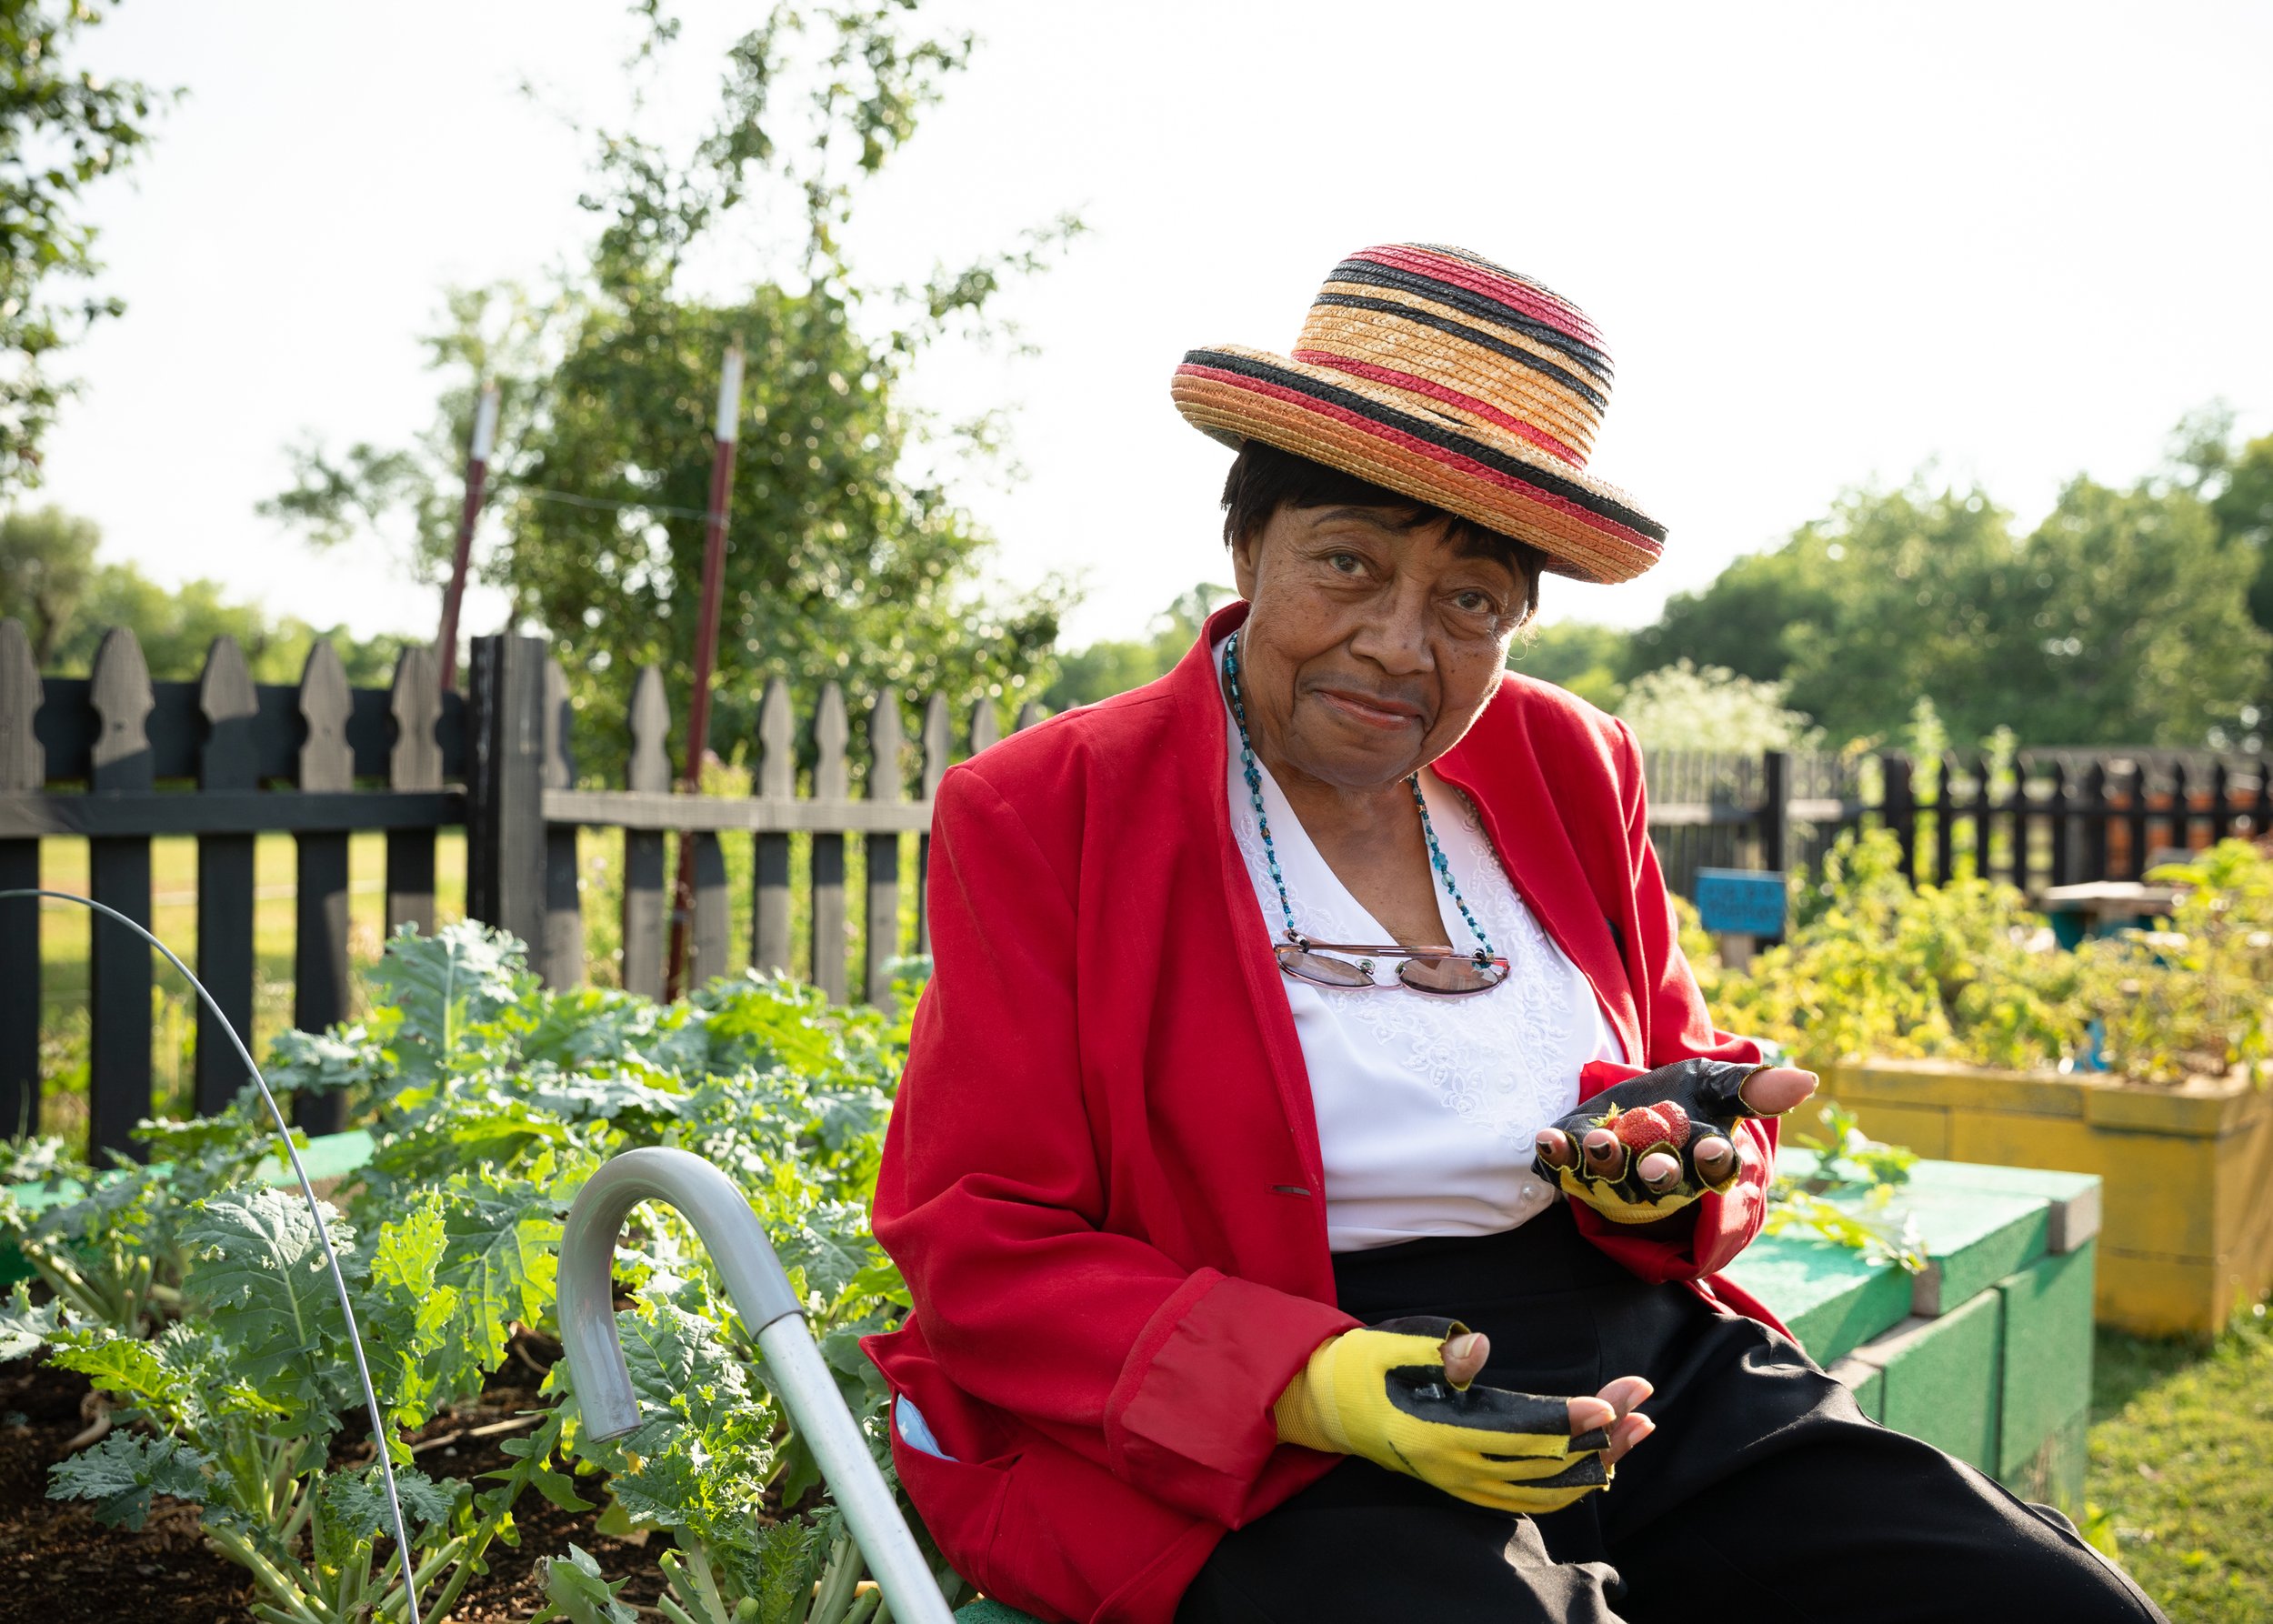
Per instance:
{"type": "Point", "coordinates": [1827, 244]}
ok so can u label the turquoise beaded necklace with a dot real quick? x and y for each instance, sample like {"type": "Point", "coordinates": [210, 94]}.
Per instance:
{"type": "Point", "coordinates": [1254, 775]}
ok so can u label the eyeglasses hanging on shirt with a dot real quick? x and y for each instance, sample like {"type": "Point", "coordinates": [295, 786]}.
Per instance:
{"type": "Point", "coordinates": [1439, 971]}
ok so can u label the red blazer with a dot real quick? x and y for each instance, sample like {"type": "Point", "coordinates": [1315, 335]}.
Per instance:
{"type": "Point", "coordinates": [1102, 1177]}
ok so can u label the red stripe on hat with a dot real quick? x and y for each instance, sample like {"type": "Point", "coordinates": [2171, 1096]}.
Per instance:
{"type": "Point", "coordinates": [1451, 460]}
{"type": "Point", "coordinates": [1532, 301]}
{"type": "Point", "coordinates": [1421, 386]}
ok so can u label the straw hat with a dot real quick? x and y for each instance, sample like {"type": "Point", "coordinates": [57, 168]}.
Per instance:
{"type": "Point", "coordinates": [1444, 377]}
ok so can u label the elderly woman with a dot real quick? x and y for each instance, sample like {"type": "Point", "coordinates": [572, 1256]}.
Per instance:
{"type": "Point", "coordinates": [1314, 1157]}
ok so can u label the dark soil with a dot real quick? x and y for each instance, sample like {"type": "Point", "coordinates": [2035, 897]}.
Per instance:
{"type": "Point", "coordinates": [59, 1565]}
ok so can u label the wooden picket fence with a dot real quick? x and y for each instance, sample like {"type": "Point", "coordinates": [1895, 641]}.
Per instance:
{"type": "Point", "coordinates": [118, 760]}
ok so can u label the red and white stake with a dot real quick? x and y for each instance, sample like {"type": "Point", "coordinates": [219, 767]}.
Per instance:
{"type": "Point", "coordinates": [477, 475]}
{"type": "Point", "coordinates": [729, 428]}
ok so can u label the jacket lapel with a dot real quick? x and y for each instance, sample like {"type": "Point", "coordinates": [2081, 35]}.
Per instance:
{"type": "Point", "coordinates": [1205, 734]}
{"type": "Point", "coordinates": [1503, 769]}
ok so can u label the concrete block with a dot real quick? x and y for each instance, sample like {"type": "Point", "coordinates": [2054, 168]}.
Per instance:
{"type": "Point", "coordinates": [2046, 1378]}
{"type": "Point", "coordinates": [1828, 1295]}
{"type": "Point", "coordinates": [1974, 1238]}
{"type": "Point", "coordinates": [1943, 1378]}
{"type": "Point", "coordinates": [2054, 1475]}
{"type": "Point", "coordinates": [2072, 1217]}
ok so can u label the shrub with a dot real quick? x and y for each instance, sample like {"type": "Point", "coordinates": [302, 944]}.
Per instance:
{"type": "Point", "coordinates": [1876, 966]}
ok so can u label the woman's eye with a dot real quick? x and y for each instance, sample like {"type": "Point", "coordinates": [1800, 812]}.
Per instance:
{"type": "Point", "coordinates": [1347, 563]}
{"type": "Point", "coordinates": [1476, 603]}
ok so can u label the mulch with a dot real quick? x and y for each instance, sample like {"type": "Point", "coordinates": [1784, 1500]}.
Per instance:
{"type": "Point", "coordinates": [59, 1565]}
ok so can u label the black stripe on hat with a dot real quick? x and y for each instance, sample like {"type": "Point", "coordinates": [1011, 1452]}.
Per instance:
{"type": "Point", "coordinates": [1481, 306]}
{"type": "Point", "coordinates": [1445, 323]}
{"type": "Point", "coordinates": [1433, 433]}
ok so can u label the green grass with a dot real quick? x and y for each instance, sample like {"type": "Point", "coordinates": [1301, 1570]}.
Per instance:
{"type": "Point", "coordinates": [2181, 1485]}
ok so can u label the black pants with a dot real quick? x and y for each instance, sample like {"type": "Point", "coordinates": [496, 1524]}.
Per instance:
{"type": "Point", "coordinates": [1763, 1495]}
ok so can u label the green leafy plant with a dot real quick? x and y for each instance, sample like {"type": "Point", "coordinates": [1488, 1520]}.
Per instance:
{"type": "Point", "coordinates": [1876, 967]}
{"type": "Point", "coordinates": [494, 1100]}
{"type": "Point", "coordinates": [1851, 1195]}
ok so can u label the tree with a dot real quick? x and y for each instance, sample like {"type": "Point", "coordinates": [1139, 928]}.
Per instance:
{"type": "Point", "coordinates": [843, 562]}
{"type": "Point", "coordinates": [1571, 653]}
{"type": "Point", "coordinates": [61, 131]}
{"type": "Point", "coordinates": [51, 579]}
{"type": "Point", "coordinates": [46, 561]}
{"type": "Point", "coordinates": [1682, 707]}
{"type": "Point", "coordinates": [2243, 509]}
{"type": "Point", "coordinates": [2128, 622]}
{"type": "Point", "coordinates": [1741, 621]}
{"type": "Point", "coordinates": [2122, 618]}
{"type": "Point", "coordinates": [1116, 665]}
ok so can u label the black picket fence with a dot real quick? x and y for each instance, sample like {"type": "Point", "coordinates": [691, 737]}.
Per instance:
{"type": "Point", "coordinates": [118, 760]}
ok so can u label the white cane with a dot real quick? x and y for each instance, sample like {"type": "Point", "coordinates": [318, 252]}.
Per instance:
{"type": "Point", "coordinates": [753, 1278]}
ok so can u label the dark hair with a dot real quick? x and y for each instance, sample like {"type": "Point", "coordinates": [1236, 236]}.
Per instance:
{"type": "Point", "coordinates": [1264, 479]}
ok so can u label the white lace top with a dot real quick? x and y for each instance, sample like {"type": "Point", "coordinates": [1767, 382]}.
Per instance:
{"type": "Point", "coordinates": [1426, 1107]}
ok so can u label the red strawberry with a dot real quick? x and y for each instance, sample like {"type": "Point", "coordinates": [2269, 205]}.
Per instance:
{"type": "Point", "coordinates": [1645, 1128]}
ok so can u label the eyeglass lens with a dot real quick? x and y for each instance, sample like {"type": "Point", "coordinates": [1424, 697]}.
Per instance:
{"type": "Point", "coordinates": [1444, 978]}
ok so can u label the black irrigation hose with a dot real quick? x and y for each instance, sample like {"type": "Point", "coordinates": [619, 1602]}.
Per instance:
{"type": "Point", "coordinates": [316, 1210]}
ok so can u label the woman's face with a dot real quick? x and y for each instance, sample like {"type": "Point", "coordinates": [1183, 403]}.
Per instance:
{"type": "Point", "coordinates": [1370, 647]}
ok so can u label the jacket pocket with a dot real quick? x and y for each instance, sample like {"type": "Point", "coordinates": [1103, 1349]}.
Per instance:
{"type": "Point", "coordinates": [960, 1501]}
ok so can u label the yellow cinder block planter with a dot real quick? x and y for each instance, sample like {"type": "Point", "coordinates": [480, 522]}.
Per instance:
{"type": "Point", "coordinates": [2187, 1227]}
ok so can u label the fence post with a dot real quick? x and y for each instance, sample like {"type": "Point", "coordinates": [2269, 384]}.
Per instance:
{"type": "Point", "coordinates": [2016, 866]}
{"type": "Point", "coordinates": [830, 782]}
{"type": "Point", "coordinates": [886, 785]}
{"type": "Point", "coordinates": [2262, 811]}
{"type": "Point", "coordinates": [1774, 821]}
{"type": "Point", "coordinates": [118, 869]}
{"type": "Point", "coordinates": [709, 934]}
{"type": "Point", "coordinates": [937, 744]}
{"type": "Point", "coordinates": [986, 725]}
{"type": "Point", "coordinates": [2095, 816]}
{"type": "Point", "coordinates": [2221, 789]}
{"type": "Point", "coordinates": [648, 769]}
{"type": "Point", "coordinates": [226, 919]}
{"type": "Point", "coordinates": [504, 801]}
{"type": "Point", "coordinates": [2181, 824]}
{"type": "Point", "coordinates": [1897, 806]}
{"type": "Point", "coordinates": [23, 768]}
{"type": "Point", "coordinates": [2136, 818]}
{"type": "Point", "coordinates": [560, 956]}
{"type": "Point", "coordinates": [1946, 769]}
{"type": "Point", "coordinates": [414, 761]}
{"type": "Point", "coordinates": [320, 989]}
{"type": "Point", "coordinates": [776, 781]}
{"type": "Point", "coordinates": [2063, 834]}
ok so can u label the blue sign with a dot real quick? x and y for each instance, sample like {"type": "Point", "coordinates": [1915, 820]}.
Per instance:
{"type": "Point", "coordinates": [1742, 900]}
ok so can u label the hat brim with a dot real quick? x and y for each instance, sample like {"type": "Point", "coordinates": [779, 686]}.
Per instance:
{"type": "Point", "coordinates": [1588, 529]}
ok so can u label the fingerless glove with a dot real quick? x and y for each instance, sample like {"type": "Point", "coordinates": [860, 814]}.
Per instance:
{"type": "Point", "coordinates": [1383, 1393]}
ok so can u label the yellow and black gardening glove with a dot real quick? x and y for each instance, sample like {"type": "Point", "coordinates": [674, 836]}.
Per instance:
{"type": "Point", "coordinates": [1685, 1113]}
{"type": "Point", "coordinates": [1383, 1393]}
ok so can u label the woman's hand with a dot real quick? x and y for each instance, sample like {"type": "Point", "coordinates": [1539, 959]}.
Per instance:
{"type": "Point", "coordinates": [1464, 1357]}
{"type": "Point", "coordinates": [1401, 1395]}
{"type": "Point", "coordinates": [1646, 1147]}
